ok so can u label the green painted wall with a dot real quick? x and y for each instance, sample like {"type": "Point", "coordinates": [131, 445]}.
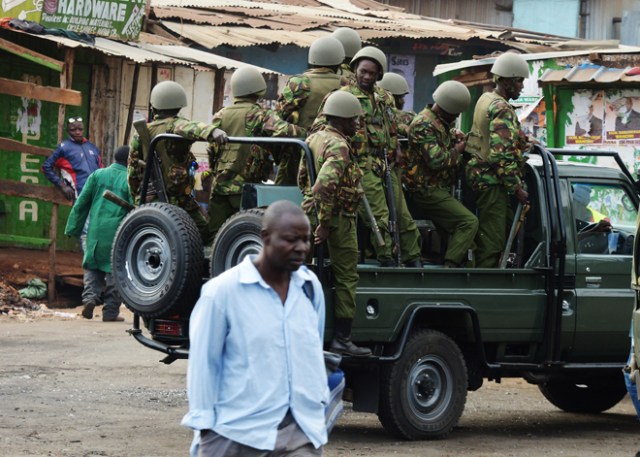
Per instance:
{"type": "Point", "coordinates": [33, 122]}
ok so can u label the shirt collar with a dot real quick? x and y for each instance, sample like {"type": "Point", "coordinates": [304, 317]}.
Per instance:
{"type": "Point", "coordinates": [249, 274]}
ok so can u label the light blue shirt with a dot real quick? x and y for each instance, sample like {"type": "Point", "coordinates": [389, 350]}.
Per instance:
{"type": "Point", "coordinates": [251, 358]}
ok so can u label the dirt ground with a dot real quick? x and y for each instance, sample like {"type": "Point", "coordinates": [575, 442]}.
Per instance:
{"type": "Point", "coordinates": [72, 387]}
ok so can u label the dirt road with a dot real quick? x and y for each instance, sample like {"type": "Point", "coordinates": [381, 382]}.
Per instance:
{"type": "Point", "coordinates": [71, 387]}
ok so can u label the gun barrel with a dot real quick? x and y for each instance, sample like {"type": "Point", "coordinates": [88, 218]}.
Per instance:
{"type": "Point", "coordinates": [117, 200]}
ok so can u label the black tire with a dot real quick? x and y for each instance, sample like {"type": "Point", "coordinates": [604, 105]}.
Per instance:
{"type": "Point", "coordinates": [423, 394]}
{"type": "Point", "coordinates": [590, 396]}
{"type": "Point", "coordinates": [157, 260]}
{"type": "Point", "coordinates": [238, 237]}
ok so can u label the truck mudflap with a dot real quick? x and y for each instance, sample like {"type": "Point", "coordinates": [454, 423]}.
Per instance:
{"type": "Point", "coordinates": [173, 353]}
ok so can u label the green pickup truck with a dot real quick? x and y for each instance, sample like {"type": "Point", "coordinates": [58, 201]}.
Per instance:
{"type": "Point", "coordinates": [557, 314]}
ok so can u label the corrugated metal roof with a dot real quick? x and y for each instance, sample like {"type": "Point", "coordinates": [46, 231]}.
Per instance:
{"type": "Point", "coordinates": [466, 64]}
{"type": "Point", "coordinates": [145, 52]}
{"type": "Point", "coordinates": [202, 57]}
{"type": "Point", "coordinates": [316, 18]}
{"type": "Point", "coordinates": [591, 74]}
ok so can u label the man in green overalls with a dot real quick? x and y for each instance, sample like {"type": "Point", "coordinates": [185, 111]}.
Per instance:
{"type": "Point", "coordinates": [496, 168]}
{"type": "Point", "coordinates": [437, 156]}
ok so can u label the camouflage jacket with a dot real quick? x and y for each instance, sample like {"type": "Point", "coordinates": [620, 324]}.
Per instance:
{"type": "Point", "coordinates": [297, 93]}
{"type": "Point", "coordinates": [337, 188]}
{"type": "Point", "coordinates": [377, 131]}
{"type": "Point", "coordinates": [403, 121]}
{"type": "Point", "coordinates": [176, 160]}
{"type": "Point", "coordinates": [432, 161]}
{"type": "Point", "coordinates": [505, 162]}
{"type": "Point", "coordinates": [237, 164]}
{"type": "Point", "coordinates": [346, 71]}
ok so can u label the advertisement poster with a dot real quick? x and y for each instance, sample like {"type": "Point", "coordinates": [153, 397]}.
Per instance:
{"type": "Point", "coordinates": [405, 65]}
{"type": "Point", "coordinates": [120, 19]}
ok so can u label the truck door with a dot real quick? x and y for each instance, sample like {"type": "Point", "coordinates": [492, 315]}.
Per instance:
{"type": "Point", "coordinates": [604, 215]}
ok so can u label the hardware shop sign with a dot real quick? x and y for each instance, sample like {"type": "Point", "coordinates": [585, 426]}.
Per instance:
{"type": "Point", "coordinates": [108, 18]}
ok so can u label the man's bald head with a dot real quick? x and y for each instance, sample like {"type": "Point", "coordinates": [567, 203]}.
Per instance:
{"type": "Point", "coordinates": [276, 211]}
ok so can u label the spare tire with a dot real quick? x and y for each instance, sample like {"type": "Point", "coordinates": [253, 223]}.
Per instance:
{"type": "Point", "coordinates": [238, 237]}
{"type": "Point", "coordinates": [157, 259]}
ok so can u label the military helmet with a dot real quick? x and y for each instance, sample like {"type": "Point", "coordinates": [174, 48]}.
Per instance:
{"type": "Point", "coordinates": [168, 95]}
{"type": "Point", "coordinates": [326, 52]}
{"type": "Point", "coordinates": [452, 96]}
{"type": "Point", "coordinates": [371, 53]}
{"type": "Point", "coordinates": [247, 81]}
{"type": "Point", "coordinates": [350, 40]}
{"type": "Point", "coordinates": [510, 65]}
{"type": "Point", "coordinates": [394, 83]}
{"type": "Point", "coordinates": [342, 104]}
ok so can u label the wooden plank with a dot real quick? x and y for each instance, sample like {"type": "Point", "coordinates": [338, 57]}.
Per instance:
{"type": "Point", "coordinates": [33, 56]}
{"type": "Point", "coordinates": [44, 93]}
{"type": "Point", "coordinates": [53, 233]}
{"type": "Point", "coordinates": [66, 78]}
{"type": "Point", "coordinates": [21, 189]}
{"type": "Point", "coordinates": [7, 144]}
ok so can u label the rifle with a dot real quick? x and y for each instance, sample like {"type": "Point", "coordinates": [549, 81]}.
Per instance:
{"type": "Point", "coordinates": [393, 215]}
{"type": "Point", "coordinates": [117, 200]}
{"type": "Point", "coordinates": [372, 219]}
{"type": "Point", "coordinates": [521, 213]}
{"type": "Point", "coordinates": [157, 187]}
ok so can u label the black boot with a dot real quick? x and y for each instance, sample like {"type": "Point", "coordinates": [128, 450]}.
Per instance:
{"type": "Point", "coordinates": [342, 343]}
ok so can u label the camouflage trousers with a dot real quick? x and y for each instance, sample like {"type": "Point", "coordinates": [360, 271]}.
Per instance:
{"type": "Point", "coordinates": [451, 216]}
{"type": "Point", "coordinates": [374, 190]}
{"type": "Point", "coordinates": [343, 253]}
{"type": "Point", "coordinates": [494, 216]}
{"type": "Point", "coordinates": [288, 165]}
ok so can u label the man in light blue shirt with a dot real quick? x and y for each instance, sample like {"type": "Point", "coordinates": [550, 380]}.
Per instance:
{"type": "Point", "coordinates": [256, 381]}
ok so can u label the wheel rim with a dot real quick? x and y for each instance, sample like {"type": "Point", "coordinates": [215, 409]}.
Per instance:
{"type": "Point", "coordinates": [244, 245]}
{"type": "Point", "coordinates": [429, 387]}
{"type": "Point", "coordinates": [148, 261]}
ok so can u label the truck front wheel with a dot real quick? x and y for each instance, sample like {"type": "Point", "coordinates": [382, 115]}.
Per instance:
{"type": "Point", "coordinates": [590, 396]}
{"type": "Point", "coordinates": [424, 392]}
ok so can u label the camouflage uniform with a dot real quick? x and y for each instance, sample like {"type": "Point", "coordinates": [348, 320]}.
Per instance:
{"type": "Point", "coordinates": [177, 163]}
{"type": "Point", "coordinates": [298, 104]}
{"type": "Point", "coordinates": [346, 71]}
{"type": "Point", "coordinates": [494, 171]}
{"type": "Point", "coordinates": [336, 196]}
{"type": "Point", "coordinates": [237, 164]}
{"type": "Point", "coordinates": [370, 142]}
{"type": "Point", "coordinates": [432, 174]}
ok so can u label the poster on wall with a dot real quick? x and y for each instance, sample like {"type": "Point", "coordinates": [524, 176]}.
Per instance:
{"type": "Point", "coordinates": [405, 65]}
{"type": "Point", "coordinates": [605, 119]}
{"type": "Point", "coordinates": [586, 121]}
{"type": "Point", "coordinates": [622, 120]}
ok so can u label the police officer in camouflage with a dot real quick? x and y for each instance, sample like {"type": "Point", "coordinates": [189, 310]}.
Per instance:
{"type": "Point", "coordinates": [177, 162]}
{"type": "Point", "coordinates": [352, 43]}
{"type": "Point", "coordinates": [302, 95]}
{"type": "Point", "coordinates": [396, 86]}
{"type": "Point", "coordinates": [495, 171]}
{"type": "Point", "coordinates": [437, 156]}
{"type": "Point", "coordinates": [334, 199]}
{"type": "Point", "coordinates": [234, 165]}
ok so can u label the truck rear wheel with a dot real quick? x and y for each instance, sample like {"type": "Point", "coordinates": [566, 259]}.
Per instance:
{"type": "Point", "coordinates": [157, 260]}
{"type": "Point", "coordinates": [590, 396]}
{"type": "Point", "coordinates": [423, 393]}
{"type": "Point", "coordinates": [238, 237]}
